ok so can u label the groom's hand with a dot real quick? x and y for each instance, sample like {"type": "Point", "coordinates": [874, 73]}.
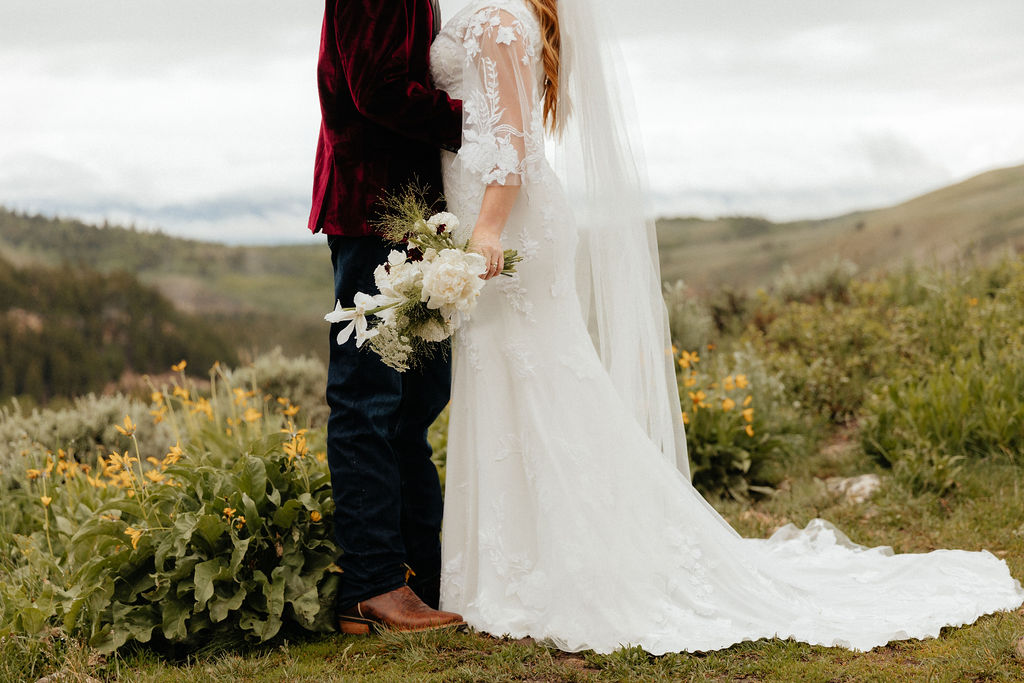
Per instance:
{"type": "Point", "coordinates": [488, 244]}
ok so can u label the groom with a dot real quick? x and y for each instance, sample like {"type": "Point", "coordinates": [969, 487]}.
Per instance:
{"type": "Point", "coordinates": [382, 127]}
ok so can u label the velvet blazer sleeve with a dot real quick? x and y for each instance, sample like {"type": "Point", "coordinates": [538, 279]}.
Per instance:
{"type": "Point", "coordinates": [374, 41]}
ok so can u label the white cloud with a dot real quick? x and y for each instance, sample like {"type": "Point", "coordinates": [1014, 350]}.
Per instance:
{"type": "Point", "coordinates": [202, 116]}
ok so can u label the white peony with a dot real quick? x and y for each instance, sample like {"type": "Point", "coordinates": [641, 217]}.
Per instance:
{"type": "Point", "coordinates": [449, 220]}
{"type": "Point", "coordinates": [451, 281]}
{"type": "Point", "coordinates": [398, 281]}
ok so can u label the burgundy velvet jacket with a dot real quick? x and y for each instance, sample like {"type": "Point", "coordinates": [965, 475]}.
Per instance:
{"type": "Point", "coordinates": [383, 123]}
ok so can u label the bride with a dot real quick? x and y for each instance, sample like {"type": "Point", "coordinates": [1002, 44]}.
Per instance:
{"type": "Point", "coordinates": [569, 514]}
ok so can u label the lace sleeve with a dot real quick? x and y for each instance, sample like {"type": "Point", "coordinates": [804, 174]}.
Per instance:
{"type": "Point", "coordinates": [502, 132]}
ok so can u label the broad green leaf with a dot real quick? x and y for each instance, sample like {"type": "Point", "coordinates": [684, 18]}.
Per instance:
{"type": "Point", "coordinates": [307, 606]}
{"type": "Point", "coordinates": [284, 516]}
{"type": "Point", "coordinates": [174, 615]}
{"type": "Point", "coordinates": [206, 573]}
{"type": "Point", "coordinates": [252, 515]}
{"type": "Point", "coordinates": [252, 478]}
{"type": "Point", "coordinates": [221, 606]}
{"type": "Point", "coordinates": [211, 528]}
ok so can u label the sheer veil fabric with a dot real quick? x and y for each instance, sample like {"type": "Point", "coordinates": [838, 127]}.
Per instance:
{"type": "Point", "coordinates": [569, 512]}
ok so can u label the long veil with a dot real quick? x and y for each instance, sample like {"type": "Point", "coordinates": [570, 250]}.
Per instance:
{"type": "Point", "coordinates": [618, 272]}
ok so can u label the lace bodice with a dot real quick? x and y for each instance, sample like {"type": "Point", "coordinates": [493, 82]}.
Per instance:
{"type": "Point", "coordinates": [489, 57]}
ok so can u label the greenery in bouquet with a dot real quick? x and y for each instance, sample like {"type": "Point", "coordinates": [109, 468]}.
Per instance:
{"type": "Point", "coordinates": [426, 289]}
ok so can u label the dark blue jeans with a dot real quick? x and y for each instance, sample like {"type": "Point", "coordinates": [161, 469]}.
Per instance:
{"type": "Point", "coordinates": [387, 493]}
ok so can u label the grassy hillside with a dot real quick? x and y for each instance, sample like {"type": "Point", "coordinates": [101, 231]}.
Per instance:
{"type": "Point", "coordinates": [980, 217]}
{"type": "Point", "coordinates": [198, 276]}
{"type": "Point", "coordinates": [260, 297]}
{"type": "Point", "coordinates": [69, 331]}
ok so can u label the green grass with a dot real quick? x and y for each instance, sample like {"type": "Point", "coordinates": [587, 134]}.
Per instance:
{"type": "Point", "coordinates": [985, 512]}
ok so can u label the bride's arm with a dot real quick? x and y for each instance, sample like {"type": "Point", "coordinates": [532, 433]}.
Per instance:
{"type": "Point", "coordinates": [498, 143]}
{"type": "Point", "coordinates": [494, 212]}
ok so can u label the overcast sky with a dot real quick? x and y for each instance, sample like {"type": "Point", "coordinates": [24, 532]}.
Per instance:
{"type": "Point", "coordinates": [201, 116]}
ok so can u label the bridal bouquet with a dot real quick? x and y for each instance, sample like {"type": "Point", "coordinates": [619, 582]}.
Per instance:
{"type": "Point", "coordinates": [426, 289]}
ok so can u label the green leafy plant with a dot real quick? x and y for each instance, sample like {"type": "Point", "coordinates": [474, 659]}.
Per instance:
{"type": "Point", "coordinates": [225, 538]}
{"type": "Point", "coordinates": [739, 433]}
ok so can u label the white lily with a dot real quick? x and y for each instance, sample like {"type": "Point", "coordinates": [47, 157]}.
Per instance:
{"type": "Point", "coordinates": [356, 317]}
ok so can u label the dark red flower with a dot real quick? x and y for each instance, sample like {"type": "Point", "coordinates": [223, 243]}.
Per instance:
{"type": "Point", "coordinates": [414, 254]}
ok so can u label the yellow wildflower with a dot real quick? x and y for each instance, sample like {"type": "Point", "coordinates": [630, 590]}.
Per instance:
{"type": "Point", "coordinates": [686, 418]}
{"type": "Point", "coordinates": [741, 381]}
{"type": "Point", "coordinates": [691, 381]}
{"type": "Point", "coordinates": [688, 358]}
{"type": "Point", "coordinates": [748, 400]}
{"type": "Point", "coordinates": [972, 301]}
{"type": "Point", "coordinates": [728, 384]}
{"type": "Point", "coordinates": [181, 392]}
{"type": "Point", "coordinates": [229, 512]}
{"type": "Point", "coordinates": [321, 456]}
{"type": "Point", "coordinates": [46, 500]}
{"type": "Point", "coordinates": [179, 367]}
{"type": "Point", "coordinates": [315, 516]}
{"type": "Point", "coordinates": [134, 534]}
{"type": "Point", "coordinates": [711, 347]}
{"type": "Point", "coordinates": [157, 397]}
{"type": "Point", "coordinates": [154, 476]}
{"type": "Point", "coordinates": [697, 397]}
{"type": "Point", "coordinates": [173, 455]}
{"type": "Point", "coordinates": [239, 521]}
{"type": "Point", "coordinates": [252, 415]}
{"type": "Point", "coordinates": [158, 415]}
{"type": "Point", "coordinates": [728, 404]}
{"type": "Point", "coordinates": [129, 427]}
{"type": "Point", "coordinates": [290, 411]}
{"type": "Point", "coordinates": [297, 447]}
{"type": "Point", "coordinates": [203, 406]}
{"type": "Point", "coordinates": [748, 414]}
{"type": "Point", "coordinates": [61, 455]}
{"type": "Point", "coordinates": [749, 430]}
{"type": "Point", "coordinates": [33, 474]}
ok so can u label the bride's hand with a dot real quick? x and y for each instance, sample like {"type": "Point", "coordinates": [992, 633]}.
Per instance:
{"type": "Point", "coordinates": [488, 245]}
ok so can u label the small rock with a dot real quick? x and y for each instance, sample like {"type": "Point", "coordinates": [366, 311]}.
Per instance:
{"type": "Point", "coordinates": [855, 489]}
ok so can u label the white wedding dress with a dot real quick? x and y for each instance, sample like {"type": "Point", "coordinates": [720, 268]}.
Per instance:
{"type": "Point", "coordinates": [563, 520]}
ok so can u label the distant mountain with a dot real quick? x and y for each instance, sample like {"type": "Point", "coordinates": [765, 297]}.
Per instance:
{"type": "Point", "coordinates": [979, 217]}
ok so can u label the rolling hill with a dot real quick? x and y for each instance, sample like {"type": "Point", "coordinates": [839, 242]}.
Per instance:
{"type": "Point", "coordinates": [262, 297]}
{"type": "Point", "coordinates": [979, 217]}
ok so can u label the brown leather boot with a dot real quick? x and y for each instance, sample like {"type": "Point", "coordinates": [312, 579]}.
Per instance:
{"type": "Point", "coordinates": [399, 610]}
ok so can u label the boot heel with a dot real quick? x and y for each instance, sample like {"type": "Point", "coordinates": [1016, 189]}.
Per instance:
{"type": "Point", "coordinates": [354, 628]}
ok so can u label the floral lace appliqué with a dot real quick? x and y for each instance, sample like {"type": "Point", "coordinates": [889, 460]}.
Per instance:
{"type": "Point", "coordinates": [495, 147]}
{"type": "Point", "coordinates": [520, 359]}
{"type": "Point", "coordinates": [514, 291]}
